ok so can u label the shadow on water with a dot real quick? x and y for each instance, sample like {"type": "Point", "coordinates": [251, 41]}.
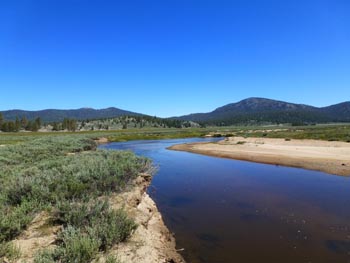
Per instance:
{"type": "Point", "coordinates": [209, 240]}
{"type": "Point", "coordinates": [226, 211]}
{"type": "Point", "coordinates": [179, 201]}
{"type": "Point", "coordinates": [338, 246]}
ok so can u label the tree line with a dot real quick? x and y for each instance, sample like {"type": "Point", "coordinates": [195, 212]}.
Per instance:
{"type": "Point", "coordinates": [19, 124]}
{"type": "Point", "coordinates": [34, 125]}
{"type": "Point", "coordinates": [123, 122]}
{"type": "Point", "coordinates": [66, 124]}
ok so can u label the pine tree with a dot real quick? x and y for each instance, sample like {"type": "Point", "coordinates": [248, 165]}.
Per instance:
{"type": "Point", "coordinates": [38, 123]}
{"type": "Point", "coordinates": [55, 126]}
{"type": "Point", "coordinates": [65, 124]}
{"type": "Point", "coordinates": [4, 127]}
{"type": "Point", "coordinates": [72, 125]}
{"type": "Point", "coordinates": [10, 126]}
{"type": "Point", "coordinates": [17, 124]}
{"type": "Point", "coordinates": [24, 122]}
{"type": "Point", "coordinates": [1, 119]}
{"type": "Point", "coordinates": [125, 125]}
{"type": "Point", "coordinates": [69, 124]}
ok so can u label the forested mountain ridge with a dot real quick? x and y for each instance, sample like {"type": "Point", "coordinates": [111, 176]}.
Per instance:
{"type": "Point", "coordinates": [248, 111]}
{"type": "Point", "coordinates": [53, 115]}
{"type": "Point", "coordinates": [262, 110]}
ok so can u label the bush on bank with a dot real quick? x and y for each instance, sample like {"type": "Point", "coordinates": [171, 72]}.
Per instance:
{"type": "Point", "coordinates": [65, 175]}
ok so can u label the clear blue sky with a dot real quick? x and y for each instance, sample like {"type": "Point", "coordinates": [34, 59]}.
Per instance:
{"type": "Point", "coordinates": [172, 57]}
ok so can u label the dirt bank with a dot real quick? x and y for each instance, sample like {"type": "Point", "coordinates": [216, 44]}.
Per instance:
{"type": "Point", "coordinates": [101, 140]}
{"type": "Point", "coordinates": [330, 157]}
{"type": "Point", "coordinates": [151, 242]}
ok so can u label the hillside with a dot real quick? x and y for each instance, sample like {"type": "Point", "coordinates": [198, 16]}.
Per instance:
{"type": "Point", "coordinates": [261, 110]}
{"type": "Point", "coordinates": [251, 110]}
{"type": "Point", "coordinates": [122, 122]}
{"type": "Point", "coordinates": [53, 115]}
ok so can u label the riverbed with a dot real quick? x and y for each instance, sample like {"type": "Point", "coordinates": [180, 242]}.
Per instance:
{"type": "Point", "coordinates": [223, 210]}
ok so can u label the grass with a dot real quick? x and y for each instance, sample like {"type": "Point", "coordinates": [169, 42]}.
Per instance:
{"type": "Point", "coordinates": [111, 259]}
{"type": "Point", "coordinates": [65, 174]}
{"type": "Point", "coordinates": [117, 135]}
{"type": "Point", "coordinates": [10, 251]}
{"type": "Point", "coordinates": [317, 132]}
{"type": "Point", "coordinates": [339, 132]}
{"type": "Point", "coordinates": [157, 134]}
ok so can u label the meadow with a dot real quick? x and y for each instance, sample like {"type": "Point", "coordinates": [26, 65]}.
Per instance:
{"type": "Point", "coordinates": [335, 132]}
{"type": "Point", "coordinates": [328, 132]}
{"type": "Point", "coordinates": [69, 179]}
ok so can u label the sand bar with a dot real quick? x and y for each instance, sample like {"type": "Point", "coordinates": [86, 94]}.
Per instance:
{"type": "Point", "coordinates": [329, 157]}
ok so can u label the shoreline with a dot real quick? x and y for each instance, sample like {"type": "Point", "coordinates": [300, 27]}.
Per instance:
{"type": "Point", "coordinates": [152, 241]}
{"type": "Point", "coordinates": [324, 156]}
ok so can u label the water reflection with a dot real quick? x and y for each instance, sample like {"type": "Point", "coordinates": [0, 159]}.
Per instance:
{"type": "Point", "coordinates": [228, 211]}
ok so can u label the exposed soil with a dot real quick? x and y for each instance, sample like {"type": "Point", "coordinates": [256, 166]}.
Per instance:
{"type": "Point", "coordinates": [101, 140]}
{"type": "Point", "coordinates": [151, 241]}
{"type": "Point", "coordinates": [329, 157]}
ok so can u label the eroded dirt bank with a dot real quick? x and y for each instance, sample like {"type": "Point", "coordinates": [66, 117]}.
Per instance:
{"type": "Point", "coordinates": [152, 241]}
{"type": "Point", "coordinates": [330, 157]}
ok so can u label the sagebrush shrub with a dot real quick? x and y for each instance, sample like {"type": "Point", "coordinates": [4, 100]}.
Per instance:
{"type": "Point", "coordinates": [56, 172]}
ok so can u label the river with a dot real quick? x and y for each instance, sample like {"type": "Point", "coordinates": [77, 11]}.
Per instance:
{"type": "Point", "coordinates": [227, 211]}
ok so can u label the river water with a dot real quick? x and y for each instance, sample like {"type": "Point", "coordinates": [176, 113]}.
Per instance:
{"type": "Point", "coordinates": [227, 211]}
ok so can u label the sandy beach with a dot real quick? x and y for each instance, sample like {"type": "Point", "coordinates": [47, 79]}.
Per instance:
{"type": "Point", "coordinates": [329, 157]}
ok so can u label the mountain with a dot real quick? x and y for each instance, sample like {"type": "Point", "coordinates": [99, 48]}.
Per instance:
{"type": "Point", "coordinates": [261, 110]}
{"type": "Point", "coordinates": [338, 111]}
{"type": "Point", "coordinates": [251, 110]}
{"type": "Point", "coordinates": [52, 115]}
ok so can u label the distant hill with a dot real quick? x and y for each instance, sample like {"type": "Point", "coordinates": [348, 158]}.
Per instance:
{"type": "Point", "coordinates": [52, 115]}
{"type": "Point", "coordinates": [251, 110]}
{"type": "Point", "coordinates": [261, 110]}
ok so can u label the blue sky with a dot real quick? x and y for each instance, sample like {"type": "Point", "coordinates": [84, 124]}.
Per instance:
{"type": "Point", "coordinates": [172, 57]}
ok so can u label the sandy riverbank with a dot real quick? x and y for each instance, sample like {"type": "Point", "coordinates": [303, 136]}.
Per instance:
{"type": "Point", "coordinates": [151, 242]}
{"type": "Point", "coordinates": [329, 157]}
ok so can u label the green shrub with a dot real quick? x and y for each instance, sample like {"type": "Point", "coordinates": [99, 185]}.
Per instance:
{"type": "Point", "coordinates": [112, 227]}
{"type": "Point", "coordinates": [111, 259]}
{"type": "Point", "coordinates": [45, 256]}
{"type": "Point", "coordinates": [14, 219]}
{"type": "Point", "coordinates": [109, 226]}
{"type": "Point", "coordinates": [79, 214]}
{"type": "Point", "coordinates": [40, 174]}
{"type": "Point", "coordinates": [9, 251]}
{"type": "Point", "coordinates": [78, 246]}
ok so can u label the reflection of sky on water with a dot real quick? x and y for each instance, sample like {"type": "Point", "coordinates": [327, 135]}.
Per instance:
{"type": "Point", "coordinates": [225, 210]}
